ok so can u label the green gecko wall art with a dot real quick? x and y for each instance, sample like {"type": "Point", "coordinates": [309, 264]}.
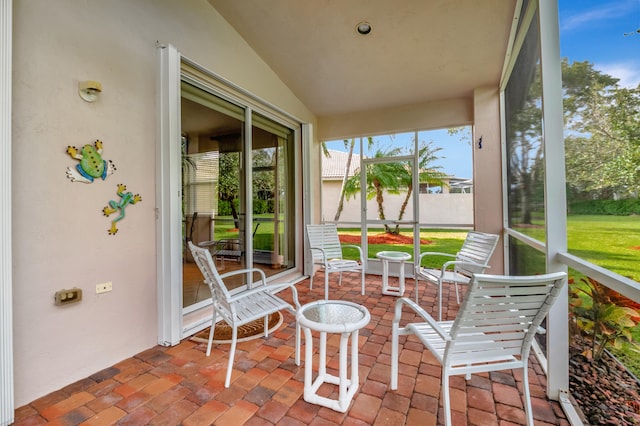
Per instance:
{"type": "Point", "coordinates": [126, 198]}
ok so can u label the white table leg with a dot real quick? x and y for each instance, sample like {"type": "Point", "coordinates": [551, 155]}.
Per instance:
{"type": "Point", "coordinates": [322, 363]}
{"type": "Point", "coordinates": [355, 380]}
{"type": "Point", "coordinates": [344, 383]}
{"type": "Point", "coordinates": [385, 276]}
{"type": "Point", "coordinates": [308, 364]}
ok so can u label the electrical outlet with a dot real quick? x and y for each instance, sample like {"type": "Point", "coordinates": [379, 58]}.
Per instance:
{"type": "Point", "coordinates": [104, 287]}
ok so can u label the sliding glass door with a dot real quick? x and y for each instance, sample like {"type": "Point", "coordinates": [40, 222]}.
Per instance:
{"type": "Point", "coordinates": [243, 215]}
{"type": "Point", "coordinates": [272, 195]}
{"type": "Point", "coordinates": [227, 181]}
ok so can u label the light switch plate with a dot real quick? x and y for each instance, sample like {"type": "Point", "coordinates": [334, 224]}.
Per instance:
{"type": "Point", "coordinates": [104, 287]}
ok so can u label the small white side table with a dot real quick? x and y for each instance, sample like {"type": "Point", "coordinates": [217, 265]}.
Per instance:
{"type": "Point", "coordinates": [392, 256]}
{"type": "Point", "coordinates": [332, 316]}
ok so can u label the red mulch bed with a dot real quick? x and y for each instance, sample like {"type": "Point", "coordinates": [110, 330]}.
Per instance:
{"type": "Point", "coordinates": [381, 239]}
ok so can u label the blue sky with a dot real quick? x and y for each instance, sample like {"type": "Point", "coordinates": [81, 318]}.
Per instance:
{"type": "Point", "coordinates": [456, 156]}
{"type": "Point", "coordinates": [590, 30]}
{"type": "Point", "coordinates": [594, 31]}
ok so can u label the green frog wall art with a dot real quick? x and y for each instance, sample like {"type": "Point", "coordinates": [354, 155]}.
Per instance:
{"type": "Point", "coordinates": [91, 166]}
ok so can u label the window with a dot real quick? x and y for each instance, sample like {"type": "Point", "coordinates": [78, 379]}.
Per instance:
{"type": "Point", "coordinates": [524, 142]}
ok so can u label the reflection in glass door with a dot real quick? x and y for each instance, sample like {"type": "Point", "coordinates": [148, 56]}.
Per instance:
{"type": "Point", "coordinates": [243, 215]}
{"type": "Point", "coordinates": [212, 146]}
{"type": "Point", "coordinates": [272, 181]}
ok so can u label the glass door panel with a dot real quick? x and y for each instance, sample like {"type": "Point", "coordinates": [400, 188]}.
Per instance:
{"type": "Point", "coordinates": [212, 141]}
{"type": "Point", "coordinates": [241, 226]}
{"type": "Point", "coordinates": [272, 188]}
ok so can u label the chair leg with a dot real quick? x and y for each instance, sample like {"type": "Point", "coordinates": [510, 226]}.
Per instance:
{"type": "Point", "coordinates": [211, 332]}
{"type": "Point", "coordinates": [362, 279]}
{"type": "Point", "coordinates": [394, 356]}
{"type": "Point", "coordinates": [439, 300]}
{"type": "Point", "coordinates": [266, 326]}
{"type": "Point", "coordinates": [232, 352]}
{"type": "Point", "coordinates": [313, 272]}
{"type": "Point", "coordinates": [446, 404]}
{"type": "Point", "coordinates": [297, 343]}
{"type": "Point", "coordinates": [326, 285]}
{"type": "Point", "coordinates": [527, 395]}
{"type": "Point", "coordinates": [457, 293]}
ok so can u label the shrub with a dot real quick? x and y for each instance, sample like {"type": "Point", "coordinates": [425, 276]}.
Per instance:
{"type": "Point", "coordinates": [602, 320]}
{"type": "Point", "coordinates": [624, 207]}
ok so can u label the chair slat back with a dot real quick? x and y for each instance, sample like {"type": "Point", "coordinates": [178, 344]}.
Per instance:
{"type": "Point", "coordinates": [219, 293]}
{"type": "Point", "coordinates": [500, 316]}
{"type": "Point", "coordinates": [477, 248]}
{"type": "Point", "coordinates": [325, 237]}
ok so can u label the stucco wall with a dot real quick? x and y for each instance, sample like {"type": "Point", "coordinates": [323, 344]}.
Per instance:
{"type": "Point", "coordinates": [435, 209]}
{"type": "Point", "coordinates": [60, 234]}
{"type": "Point", "coordinates": [487, 170]}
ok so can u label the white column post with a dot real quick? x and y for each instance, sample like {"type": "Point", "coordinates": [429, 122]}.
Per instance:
{"type": "Point", "coordinates": [6, 299]}
{"type": "Point", "coordinates": [169, 198]}
{"type": "Point", "coordinates": [555, 196]}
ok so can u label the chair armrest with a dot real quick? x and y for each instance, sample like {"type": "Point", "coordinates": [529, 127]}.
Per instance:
{"type": "Point", "coordinates": [217, 244]}
{"type": "Point", "coordinates": [321, 250]}
{"type": "Point", "coordinates": [207, 244]}
{"type": "Point", "coordinates": [418, 264]}
{"type": "Point", "coordinates": [277, 288]}
{"type": "Point", "coordinates": [422, 313]}
{"type": "Point", "coordinates": [355, 247]}
{"type": "Point", "coordinates": [274, 288]}
{"type": "Point", "coordinates": [434, 253]}
{"type": "Point", "coordinates": [479, 266]}
{"type": "Point", "coordinates": [263, 277]}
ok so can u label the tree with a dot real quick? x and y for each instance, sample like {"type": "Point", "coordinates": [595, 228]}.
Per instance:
{"type": "Point", "coordinates": [394, 177]}
{"type": "Point", "coordinates": [229, 182]}
{"type": "Point", "coordinates": [602, 126]}
{"type": "Point", "coordinates": [524, 146]}
{"type": "Point", "coordinates": [426, 174]}
{"type": "Point", "coordinates": [380, 177]}
{"type": "Point", "coordinates": [263, 175]}
{"type": "Point", "coordinates": [351, 145]}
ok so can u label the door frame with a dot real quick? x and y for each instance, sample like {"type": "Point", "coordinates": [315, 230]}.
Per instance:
{"type": "Point", "coordinates": [7, 400]}
{"type": "Point", "coordinates": [174, 322]}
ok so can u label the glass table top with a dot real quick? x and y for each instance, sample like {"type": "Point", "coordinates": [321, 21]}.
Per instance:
{"type": "Point", "coordinates": [393, 255]}
{"type": "Point", "coordinates": [334, 312]}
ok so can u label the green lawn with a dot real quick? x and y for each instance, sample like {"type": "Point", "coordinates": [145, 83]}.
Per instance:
{"type": "Point", "coordinates": [440, 240]}
{"type": "Point", "coordinates": [612, 242]}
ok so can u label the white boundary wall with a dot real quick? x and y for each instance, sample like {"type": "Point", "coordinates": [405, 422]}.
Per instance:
{"type": "Point", "coordinates": [435, 209]}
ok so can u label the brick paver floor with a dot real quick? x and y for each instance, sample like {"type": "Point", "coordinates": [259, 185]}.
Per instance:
{"type": "Point", "coordinates": [182, 386]}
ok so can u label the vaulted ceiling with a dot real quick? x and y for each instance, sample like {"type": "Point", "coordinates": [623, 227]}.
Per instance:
{"type": "Point", "coordinates": [417, 51]}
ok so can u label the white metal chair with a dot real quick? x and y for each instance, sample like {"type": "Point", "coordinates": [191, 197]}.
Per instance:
{"type": "Point", "coordinates": [472, 258]}
{"type": "Point", "coordinates": [494, 329]}
{"type": "Point", "coordinates": [240, 307]}
{"type": "Point", "coordinates": [326, 251]}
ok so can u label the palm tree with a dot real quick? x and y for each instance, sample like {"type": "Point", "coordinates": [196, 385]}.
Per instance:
{"type": "Point", "coordinates": [393, 177]}
{"type": "Point", "coordinates": [427, 174]}
{"type": "Point", "coordinates": [347, 144]}
{"type": "Point", "coordinates": [380, 177]}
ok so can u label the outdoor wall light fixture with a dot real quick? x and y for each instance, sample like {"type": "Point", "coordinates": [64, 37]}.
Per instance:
{"type": "Point", "coordinates": [89, 90]}
{"type": "Point", "coordinates": [363, 28]}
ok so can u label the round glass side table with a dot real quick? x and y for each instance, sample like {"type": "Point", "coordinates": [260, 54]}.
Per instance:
{"type": "Point", "coordinates": [332, 316]}
{"type": "Point", "coordinates": [392, 256]}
